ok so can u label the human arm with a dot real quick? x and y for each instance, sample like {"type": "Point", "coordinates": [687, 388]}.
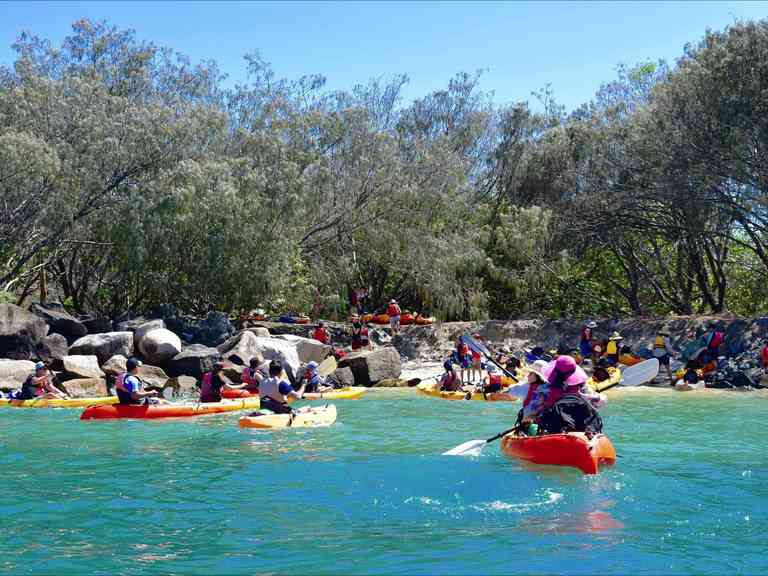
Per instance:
{"type": "Point", "coordinates": [287, 390]}
{"type": "Point", "coordinates": [518, 390]}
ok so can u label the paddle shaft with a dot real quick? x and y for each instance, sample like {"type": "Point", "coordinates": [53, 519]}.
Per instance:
{"type": "Point", "coordinates": [500, 434]}
{"type": "Point", "coordinates": [477, 346]}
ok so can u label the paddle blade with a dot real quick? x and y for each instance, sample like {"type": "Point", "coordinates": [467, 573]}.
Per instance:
{"type": "Point", "coordinates": [475, 345]}
{"type": "Point", "coordinates": [641, 373]}
{"type": "Point", "coordinates": [471, 448]}
{"type": "Point", "coordinates": [327, 366]}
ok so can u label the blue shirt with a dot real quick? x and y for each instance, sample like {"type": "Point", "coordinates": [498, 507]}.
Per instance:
{"type": "Point", "coordinates": [285, 388]}
{"type": "Point", "coordinates": [132, 384]}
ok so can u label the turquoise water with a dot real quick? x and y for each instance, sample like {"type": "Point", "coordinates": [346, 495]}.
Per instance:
{"type": "Point", "coordinates": [373, 495]}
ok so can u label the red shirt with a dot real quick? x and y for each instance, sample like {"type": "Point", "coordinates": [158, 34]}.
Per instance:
{"type": "Point", "coordinates": [393, 310]}
{"type": "Point", "coordinates": [764, 356]}
{"type": "Point", "coordinates": [321, 335]}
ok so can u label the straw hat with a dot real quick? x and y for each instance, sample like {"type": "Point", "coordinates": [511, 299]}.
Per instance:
{"type": "Point", "coordinates": [664, 331]}
{"type": "Point", "coordinates": [616, 336]}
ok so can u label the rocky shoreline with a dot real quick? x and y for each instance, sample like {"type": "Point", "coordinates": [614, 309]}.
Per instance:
{"type": "Point", "coordinates": [86, 354]}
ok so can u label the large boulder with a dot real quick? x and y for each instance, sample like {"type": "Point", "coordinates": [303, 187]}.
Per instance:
{"type": "Point", "coordinates": [153, 376]}
{"type": "Point", "coordinates": [13, 373]}
{"type": "Point", "coordinates": [97, 325]}
{"type": "Point", "coordinates": [52, 350]}
{"type": "Point", "coordinates": [275, 349]}
{"type": "Point", "coordinates": [143, 329]}
{"type": "Point", "coordinates": [194, 360]}
{"type": "Point", "coordinates": [59, 320]}
{"type": "Point", "coordinates": [214, 329]}
{"type": "Point", "coordinates": [20, 332]}
{"type": "Point", "coordinates": [370, 367]}
{"type": "Point", "coordinates": [85, 387]}
{"type": "Point", "coordinates": [76, 366]}
{"type": "Point", "coordinates": [115, 365]}
{"type": "Point", "coordinates": [241, 348]}
{"type": "Point", "coordinates": [345, 376]}
{"type": "Point", "coordinates": [104, 346]}
{"type": "Point", "coordinates": [157, 344]}
{"type": "Point", "coordinates": [183, 387]}
{"type": "Point", "coordinates": [308, 349]}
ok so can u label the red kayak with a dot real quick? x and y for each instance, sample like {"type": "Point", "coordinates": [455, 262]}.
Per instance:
{"type": "Point", "coordinates": [152, 411]}
{"type": "Point", "coordinates": [571, 449]}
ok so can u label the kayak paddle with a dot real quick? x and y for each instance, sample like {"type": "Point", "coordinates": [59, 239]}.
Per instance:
{"type": "Point", "coordinates": [474, 447]}
{"type": "Point", "coordinates": [480, 348]}
{"type": "Point", "coordinates": [638, 374]}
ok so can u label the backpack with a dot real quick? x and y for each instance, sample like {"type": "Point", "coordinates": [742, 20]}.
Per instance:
{"type": "Point", "coordinates": [571, 413]}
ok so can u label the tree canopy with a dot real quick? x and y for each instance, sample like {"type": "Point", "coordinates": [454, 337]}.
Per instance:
{"type": "Point", "coordinates": [130, 176]}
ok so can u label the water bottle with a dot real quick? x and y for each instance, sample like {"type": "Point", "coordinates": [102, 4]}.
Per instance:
{"type": "Point", "coordinates": [533, 429]}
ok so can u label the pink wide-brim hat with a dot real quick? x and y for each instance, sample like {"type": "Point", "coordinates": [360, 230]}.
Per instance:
{"type": "Point", "coordinates": [564, 365]}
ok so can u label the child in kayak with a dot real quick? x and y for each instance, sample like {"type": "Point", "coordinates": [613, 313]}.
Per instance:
{"type": "Point", "coordinates": [252, 376]}
{"type": "Point", "coordinates": [130, 389]}
{"type": "Point", "coordinates": [213, 382]}
{"type": "Point", "coordinates": [313, 382]}
{"type": "Point", "coordinates": [450, 381]}
{"type": "Point", "coordinates": [274, 392]}
{"type": "Point", "coordinates": [38, 385]}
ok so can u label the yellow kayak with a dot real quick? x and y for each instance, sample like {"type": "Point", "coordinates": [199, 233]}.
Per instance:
{"type": "Point", "coordinates": [614, 377]}
{"type": "Point", "coordinates": [59, 403]}
{"type": "Point", "coordinates": [428, 390]}
{"type": "Point", "coordinates": [347, 393]}
{"type": "Point", "coordinates": [305, 418]}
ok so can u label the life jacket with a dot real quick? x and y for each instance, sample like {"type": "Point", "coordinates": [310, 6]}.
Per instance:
{"type": "Point", "coordinates": [764, 355]}
{"type": "Point", "coordinates": [29, 389]}
{"type": "Point", "coordinates": [270, 388]}
{"type": "Point", "coordinates": [393, 310]}
{"type": "Point", "coordinates": [248, 377]}
{"type": "Point", "coordinates": [123, 395]}
{"type": "Point", "coordinates": [448, 380]}
{"type": "Point", "coordinates": [613, 348]}
{"type": "Point", "coordinates": [530, 395]}
{"type": "Point", "coordinates": [717, 339]}
{"type": "Point", "coordinates": [659, 342]}
{"type": "Point", "coordinates": [312, 378]}
{"type": "Point", "coordinates": [475, 355]}
{"type": "Point", "coordinates": [586, 335]}
{"type": "Point", "coordinates": [321, 335]}
{"type": "Point", "coordinates": [208, 391]}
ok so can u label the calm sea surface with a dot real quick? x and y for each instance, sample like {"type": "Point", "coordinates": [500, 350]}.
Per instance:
{"type": "Point", "coordinates": [373, 495]}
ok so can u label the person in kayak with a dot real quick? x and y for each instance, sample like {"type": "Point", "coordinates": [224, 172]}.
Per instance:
{"type": "Point", "coordinates": [313, 382]}
{"type": "Point", "coordinates": [130, 389]}
{"type": "Point", "coordinates": [38, 385]}
{"type": "Point", "coordinates": [252, 376]}
{"type": "Point", "coordinates": [585, 341]}
{"type": "Point", "coordinates": [393, 311]}
{"type": "Point", "coordinates": [562, 376]}
{"type": "Point", "coordinates": [450, 381]}
{"type": "Point", "coordinates": [274, 392]}
{"type": "Point", "coordinates": [612, 348]}
{"type": "Point", "coordinates": [321, 334]}
{"type": "Point", "coordinates": [662, 351]}
{"type": "Point", "coordinates": [212, 383]}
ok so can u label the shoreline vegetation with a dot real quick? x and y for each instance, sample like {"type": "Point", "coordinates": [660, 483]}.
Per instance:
{"type": "Point", "coordinates": [129, 176]}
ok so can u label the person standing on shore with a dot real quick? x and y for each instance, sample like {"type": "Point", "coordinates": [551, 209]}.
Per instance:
{"type": "Point", "coordinates": [612, 348]}
{"type": "Point", "coordinates": [393, 311]}
{"type": "Point", "coordinates": [662, 350]}
{"type": "Point", "coordinates": [321, 333]}
{"type": "Point", "coordinates": [585, 341]}
{"type": "Point", "coordinates": [764, 356]}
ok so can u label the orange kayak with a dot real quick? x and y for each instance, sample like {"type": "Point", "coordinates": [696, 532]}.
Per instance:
{"type": "Point", "coordinates": [406, 319]}
{"type": "Point", "coordinates": [630, 359]}
{"type": "Point", "coordinates": [380, 319]}
{"type": "Point", "coordinates": [421, 321]}
{"type": "Point", "coordinates": [571, 449]}
{"type": "Point", "coordinates": [153, 411]}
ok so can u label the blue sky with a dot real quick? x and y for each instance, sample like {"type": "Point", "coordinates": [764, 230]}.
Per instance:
{"type": "Point", "coordinates": [522, 46]}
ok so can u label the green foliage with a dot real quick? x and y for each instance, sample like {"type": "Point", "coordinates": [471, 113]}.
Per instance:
{"type": "Point", "coordinates": [132, 177]}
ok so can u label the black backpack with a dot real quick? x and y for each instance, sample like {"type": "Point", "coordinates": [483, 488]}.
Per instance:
{"type": "Point", "coordinates": [571, 413]}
